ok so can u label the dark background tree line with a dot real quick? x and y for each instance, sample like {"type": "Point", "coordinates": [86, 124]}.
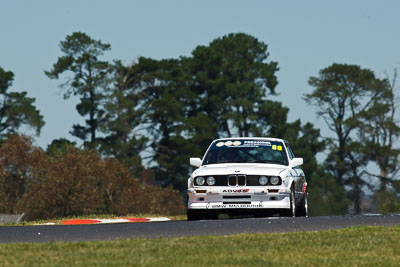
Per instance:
{"type": "Point", "coordinates": [152, 115]}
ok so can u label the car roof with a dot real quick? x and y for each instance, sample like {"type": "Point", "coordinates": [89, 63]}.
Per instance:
{"type": "Point", "coordinates": [252, 138]}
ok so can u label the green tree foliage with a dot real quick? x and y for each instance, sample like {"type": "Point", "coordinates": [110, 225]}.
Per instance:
{"type": "Point", "coordinates": [343, 94]}
{"type": "Point", "coordinates": [379, 132]}
{"type": "Point", "coordinates": [167, 116]}
{"type": "Point", "coordinates": [59, 147]}
{"type": "Point", "coordinates": [149, 99]}
{"type": "Point", "coordinates": [232, 78]}
{"type": "Point", "coordinates": [88, 78]}
{"type": "Point", "coordinates": [123, 120]}
{"type": "Point", "coordinates": [75, 182]}
{"type": "Point", "coordinates": [326, 196]}
{"type": "Point", "coordinates": [16, 109]}
{"type": "Point", "coordinates": [387, 201]}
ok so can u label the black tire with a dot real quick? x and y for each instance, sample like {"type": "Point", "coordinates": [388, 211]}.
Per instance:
{"type": "Point", "coordinates": [303, 209]}
{"type": "Point", "coordinates": [292, 211]}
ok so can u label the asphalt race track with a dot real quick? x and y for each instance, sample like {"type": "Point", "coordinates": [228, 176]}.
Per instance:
{"type": "Point", "coordinates": [48, 233]}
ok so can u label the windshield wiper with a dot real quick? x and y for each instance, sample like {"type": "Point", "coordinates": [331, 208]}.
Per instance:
{"type": "Point", "coordinates": [267, 161]}
{"type": "Point", "coordinates": [232, 161]}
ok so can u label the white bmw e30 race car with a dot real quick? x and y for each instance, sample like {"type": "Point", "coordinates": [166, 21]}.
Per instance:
{"type": "Point", "coordinates": [252, 175]}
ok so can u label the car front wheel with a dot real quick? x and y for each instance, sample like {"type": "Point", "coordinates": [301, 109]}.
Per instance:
{"type": "Point", "coordinates": [291, 212]}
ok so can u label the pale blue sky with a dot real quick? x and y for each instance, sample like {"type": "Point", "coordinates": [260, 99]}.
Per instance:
{"type": "Point", "coordinates": [302, 36]}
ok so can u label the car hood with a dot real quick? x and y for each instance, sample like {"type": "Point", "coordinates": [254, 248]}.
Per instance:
{"type": "Point", "coordinates": [240, 168]}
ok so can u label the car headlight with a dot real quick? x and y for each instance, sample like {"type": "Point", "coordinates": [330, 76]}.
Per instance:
{"type": "Point", "coordinates": [275, 180]}
{"type": "Point", "coordinates": [200, 180]}
{"type": "Point", "coordinates": [263, 180]}
{"type": "Point", "coordinates": [210, 180]}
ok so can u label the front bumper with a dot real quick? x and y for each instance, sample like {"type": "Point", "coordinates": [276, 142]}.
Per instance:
{"type": "Point", "coordinates": [238, 198]}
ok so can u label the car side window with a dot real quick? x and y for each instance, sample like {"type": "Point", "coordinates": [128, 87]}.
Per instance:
{"type": "Point", "coordinates": [290, 151]}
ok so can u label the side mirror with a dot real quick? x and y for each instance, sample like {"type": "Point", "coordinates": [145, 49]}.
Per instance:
{"type": "Point", "coordinates": [195, 162]}
{"type": "Point", "coordinates": [296, 162]}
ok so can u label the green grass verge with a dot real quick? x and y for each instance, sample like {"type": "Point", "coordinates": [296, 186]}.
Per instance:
{"type": "Point", "coordinates": [357, 246]}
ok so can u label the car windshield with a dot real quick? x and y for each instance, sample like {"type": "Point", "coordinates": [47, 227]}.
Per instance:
{"type": "Point", "coordinates": [246, 151]}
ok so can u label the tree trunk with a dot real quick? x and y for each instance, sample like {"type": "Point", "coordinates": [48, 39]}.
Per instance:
{"type": "Point", "coordinates": [357, 195]}
{"type": "Point", "coordinates": [383, 180]}
{"type": "Point", "coordinates": [92, 121]}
